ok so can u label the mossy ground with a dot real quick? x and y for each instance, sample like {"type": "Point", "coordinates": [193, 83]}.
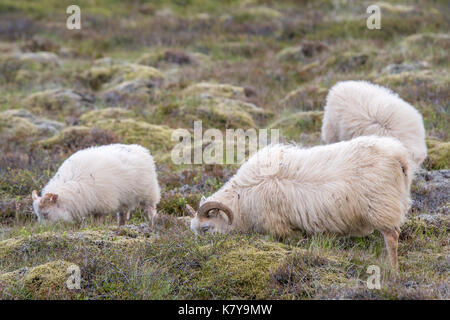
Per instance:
{"type": "Point", "coordinates": [134, 73]}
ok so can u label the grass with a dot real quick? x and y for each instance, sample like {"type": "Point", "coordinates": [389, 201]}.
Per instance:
{"type": "Point", "coordinates": [280, 56]}
{"type": "Point", "coordinates": [173, 263]}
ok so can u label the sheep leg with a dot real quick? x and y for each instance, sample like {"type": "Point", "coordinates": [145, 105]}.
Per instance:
{"type": "Point", "coordinates": [122, 217]}
{"type": "Point", "coordinates": [150, 211]}
{"type": "Point", "coordinates": [391, 241]}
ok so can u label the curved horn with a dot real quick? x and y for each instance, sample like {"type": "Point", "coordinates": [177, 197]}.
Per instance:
{"type": "Point", "coordinates": [210, 205]}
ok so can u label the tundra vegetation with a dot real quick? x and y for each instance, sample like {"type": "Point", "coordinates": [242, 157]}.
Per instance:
{"type": "Point", "coordinates": [137, 70]}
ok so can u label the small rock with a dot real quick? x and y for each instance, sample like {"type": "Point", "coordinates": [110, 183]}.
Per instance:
{"type": "Point", "coordinates": [428, 218]}
{"type": "Point", "coordinates": [122, 91]}
{"type": "Point", "coordinates": [20, 124]}
{"type": "Point", "coordinates": [430, 191]}
{"type": "Point", "coordinates": [404, 67]}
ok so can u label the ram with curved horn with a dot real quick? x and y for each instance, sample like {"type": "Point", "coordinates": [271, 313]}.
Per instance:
{"type": "Point", "coordinates": [347, 188]}
{"type": "Point", "coordinates": [209, 217]}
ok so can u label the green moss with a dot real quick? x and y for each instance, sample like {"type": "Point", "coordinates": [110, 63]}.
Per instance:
{"type": "Point", "coordinates": [19, 125]}
{"type": "Point", "coordinates": [98, 75]}
{"type": "Point", "coordinates": [161, 57]}
{"type": "Point", "coordinates": [257, 14]}
{"type": "Point", "coordinates": [423, 77]}
{"type": "Point", "coordinates": [438, 155]}
{"type": "Point", "coordinates": [16, 128]}
{"type": "Point", "coordinates": [75, 138]}
{"type": "Point", "coordinates": [240, 89]}
{"type": "Point", "coordinates": [294, 125]}
{"type": "Point", "coordinates": [305, 98]}
{"type": "Point", "coordinates": [394, 8]}
{"type": "Point", "coordinates": [31, 63]}
{"type": "Point", "coordinates": [47, 278]}
{"type": "Point", "coordinates": [151, 58]}
{"type": "Point", "coordinates": [19, 182]}
{"type": "Point", "coordinates": [155, 137]}
{"type": "Point", "coordinates": [219, 106]}
{"type": "Point", "coordinates": [241, 269]}
{"type": "Point", "coordinates": [42, 281]}
{"type": "Point", "coordinates": [291, 54]}
{"type": "Point", "coordinates": [427, 46]}
{"type": "Point", "coordinates": [304, 274]}
{"type": "Point", "coordinates": [215, 89]}
{"type": "Point", "coordinates": [392, 25]}
{"type": "Point", "coordinates": [236, 49]}
{"type": "Point", "coordinates": [216, 113]}
{"type": "Point", "coordinates": [426, 39]}
{"type": "Point", "coordinates": [91, 251]}
{"type": "Point", "coordinates": [78, 131]}
{"type": "Point", "coordinates": [114, 73]}
{"type": "Point", "coordinates": [17, 248]}
{"type": "Point", "coordinates": [351, 61]}
{"type": "Point", "coordinates": [93, 116]}
{"type": "Point", "coordinates": [130, 130]}
{"type": "Point", "coordinates": [137, 71]}
{"type": "Point", "coordinates": [124, 83]}
{"type": "Point", "coordinates": [59, 102]}
{"type": "Point", "coordinates": [303, 52]}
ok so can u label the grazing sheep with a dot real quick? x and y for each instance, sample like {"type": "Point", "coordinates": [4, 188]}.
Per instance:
{"type": "Point", "coordinates": [100, 180]}
{"type": "Point", "coordinates": [360, 108]}
{"type": "Point", "coordinates": [347, 188]}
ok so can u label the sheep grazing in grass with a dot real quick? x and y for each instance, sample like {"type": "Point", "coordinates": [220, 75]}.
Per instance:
{"type": "Point", "coordinates": [347, 188]}
{"type": "Point", "coordinates": [360, 108]}
{"type": "Point", "coordinates": [99, 180]}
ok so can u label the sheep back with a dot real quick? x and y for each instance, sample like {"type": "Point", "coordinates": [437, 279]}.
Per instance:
{"type": "Point", "coordinates": [359, 108]}
{"type": "Point", "coordinates": [351, 187]}
{"type": "Point", "coordinates": [105, 179]}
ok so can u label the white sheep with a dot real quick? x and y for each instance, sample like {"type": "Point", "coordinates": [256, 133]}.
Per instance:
{"type": "Point", "coordinates": [99, 180]}
{"type": "Point", "coordinates": [360, 108]}
{"type": "Point", "coordinates": [347, 188]}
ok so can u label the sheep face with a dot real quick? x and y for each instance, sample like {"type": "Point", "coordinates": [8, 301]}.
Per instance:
{"type": "Point", "coordinates": [214, 223]}
{"type": "Point", "coordinates": [48, 207]}
{"type": "Point", "coordinates": [211, 217]}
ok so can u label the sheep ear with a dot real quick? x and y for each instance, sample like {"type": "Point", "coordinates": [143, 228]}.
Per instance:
{"type": "Point", "coordinates": [34, 195]}
{"type": "Point", "coordinates": [202, 200]}
{"type": "Point", "coordinates": [191, 211]}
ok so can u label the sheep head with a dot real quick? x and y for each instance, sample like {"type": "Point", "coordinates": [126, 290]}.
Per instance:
{"type": "Point", "coordinates": [47, 207]}
{"type": "Point", "coordinates": [209, 217]}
